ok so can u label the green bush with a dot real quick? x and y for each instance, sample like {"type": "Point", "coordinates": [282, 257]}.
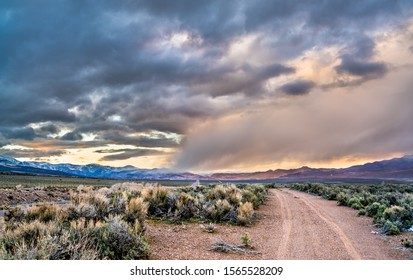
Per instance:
{"type": "Point", "coordinates": [355, 203]}
{"type": "Point", "coordinates": [115, 240]}
{"type": "Point", "coordinates": [390, 228]}
{"type": "Point", "coordinates": [373, 209]}
{"type": "Point", "coordinates": [361, 213]}
{"type": "Point", "coordinates": [342, 199]}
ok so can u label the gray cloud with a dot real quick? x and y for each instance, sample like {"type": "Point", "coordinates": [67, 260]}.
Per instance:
{"type": "Point", "coordinates": [72, 136]}
{"type": "Point", "coordinates": [27, 133]}
{"type": "Point", "coordinates": [49, 128]}
{"type": "Point", "coordinates": [368, 70]}
{"type": "Point", "coordinates": [247, 80]}
{"type": "Point", "coordinates": [20, 153]}
{"type": "Point", "coordinates": [141, 141]}
{"type": "Point", "coordinates": [167, 66]}
{"type": "Point", "coordinates": [333, 128]}
{"type": "Point", "coordinates": [298, 87]}
{"type": "Point", "coordinates": [122, 154]}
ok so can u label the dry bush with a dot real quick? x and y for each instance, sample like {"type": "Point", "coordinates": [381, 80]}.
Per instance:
{"type": "Point", "coordinates": [158, 199]}
{"type": "Point", "coordinates": [127, 187]}
{"type": "Point", "coordinates": [210, 228]}
{"type": "Point", "coordinates": [84, 229]}
{"type": "Point", "coordinates": [230, 193]}
{"type": "Point", "coordinates": [44, 212]}
{"type": "Point", "coordinates": [117, 240]}
{"type": "Point", "coordinates": [84, 189]}
{"type": "Point", "coordinates": [245, 213]}
{"type": "Point", "coordinates": [135, 213]}
{"type": "Point", "coordinates": [106, 191]}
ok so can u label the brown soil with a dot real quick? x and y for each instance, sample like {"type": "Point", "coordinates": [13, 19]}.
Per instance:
{"type": "Point", "coordinates": [293, 225]}
{"type": "Point", "coordinates": [23, 195]}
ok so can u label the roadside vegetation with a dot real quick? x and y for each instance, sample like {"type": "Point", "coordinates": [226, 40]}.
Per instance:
{"type": "Point", "coordinates": [109, 223]}
{"type": "Point", "coordinates": [390, 206]}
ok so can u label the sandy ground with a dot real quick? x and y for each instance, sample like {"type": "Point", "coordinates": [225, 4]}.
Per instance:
{"type": "Point", "coordinates": [293, 226]}
{"type": "Point", "coordinates": [23, 195]}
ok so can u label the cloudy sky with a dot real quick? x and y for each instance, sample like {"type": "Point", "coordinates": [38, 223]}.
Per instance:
{"type": "Point", "coordinates": [206, 85]}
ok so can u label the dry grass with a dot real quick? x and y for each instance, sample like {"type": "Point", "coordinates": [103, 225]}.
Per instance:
{"type": "Point", "coordinates": [91, 226]}
{"type": "Point", "coordinates": [109, 223]}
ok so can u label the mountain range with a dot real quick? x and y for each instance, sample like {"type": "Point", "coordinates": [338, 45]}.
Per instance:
{"type": "Point", "coordinates": [399, 169]}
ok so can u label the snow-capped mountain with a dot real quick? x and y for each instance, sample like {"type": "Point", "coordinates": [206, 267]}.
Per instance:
{"type": "Point", "coordinates": [393, 169]}
{"type": "Point", "coordinates": [8, 164]}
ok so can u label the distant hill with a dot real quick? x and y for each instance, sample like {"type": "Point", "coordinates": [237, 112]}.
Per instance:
{"type": "Point", "coordinates": [393, 169]}
{"type": "Point", "coordinates": [8, 164]}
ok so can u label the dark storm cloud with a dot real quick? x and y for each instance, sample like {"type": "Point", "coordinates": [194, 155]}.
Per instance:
{"type": "Point", "coordinates": [118, 68]}
{"type": "Point", "coordinates": [247, 80]}
{"type": "Point", "coordinates": [122, 154]}
{"type": "Point", "coordinates": [318, 13]}
{"type": "Point", "coordinates": [140, 141]}
{"type": "Point", "coordinates": [368, 70]}
{"type": "Point", "coordinates": [72, 136]}
{"type": "Point", "coordinates": [215, 21]}
{"type": "Point", "coordinates": [18, 133]}
{"type": "Point", "coordinates": [20, 153]}
{"type": "Point", "coordinates": [299, 87]}
{"type": "Point", "coordinates": [49, 144]}
{"type": "Point", "coordinates": [49, 128]}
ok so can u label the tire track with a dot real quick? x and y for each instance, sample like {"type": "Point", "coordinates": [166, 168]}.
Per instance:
{"type": "Point", "coordinates": [351, 250]}
{"type": "Point", "coordinates": [282, 251]}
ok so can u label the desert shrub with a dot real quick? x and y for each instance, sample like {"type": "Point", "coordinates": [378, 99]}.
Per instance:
{"type": "Point", "coordinates": [101, 204]}
{"type": "Point", "coordinates": [355, 203]}
{"type": "Point", "coordinates": [223, 206]}
{"type": "Point", "coordinates": [245, 213]}
{"type": "Point", "coordinates": [246, 240]}
{"type": "Point", "coordinates": [230, 193]}
{"type": "Point", "coordinates": [117, 202]}
{"type": "Point", "coordinates": [342, 199]}
{"type": "Point", "coordinates": [362, 213]}
{"type": "Point", "coordinates": [373, 209]}
{"type": "Point", "coordinates": [399, 216]}
{"type": "Point", "coordinates": [136, 211]}
{"type": "Point", "coordinates": [83, 229]}
{"type": "Point", "coordinates": [158, 199]}
{"type": "Point", "coordinates": [186, 206]}
{"type": "Point", "coordinates": [128, 187]}
{"type": "Point", "coordinates": [117, 241]}
{"type": "Point", "coordinates": [210, 228]}
{"type": "Point", "coordinates": [390, 228]}
{"type": "Point", "coordinates": [330, 194]}
{"type": "Point", "coordinates": [86, 210]}
{"type": "Point", "coordinates": [43, 212]}
{"type": "Point", "coordinates": [217, 210]}
{"type": "Point", "coordinates": [13, 217]}
{"type": "Point", "coordinates": [29, 233]}
{"type": "Point", "coordinates": [249, 196]}
{"type": "Point", "coordinates": [256, 194]}
{"type": "Point", "coordinates": [407, 242]}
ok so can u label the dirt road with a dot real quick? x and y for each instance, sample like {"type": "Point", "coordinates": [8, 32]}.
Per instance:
{"type": "Point", "coordinates": [314, 228]}
{"type": "Point", "coordinates": [293, 225]}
